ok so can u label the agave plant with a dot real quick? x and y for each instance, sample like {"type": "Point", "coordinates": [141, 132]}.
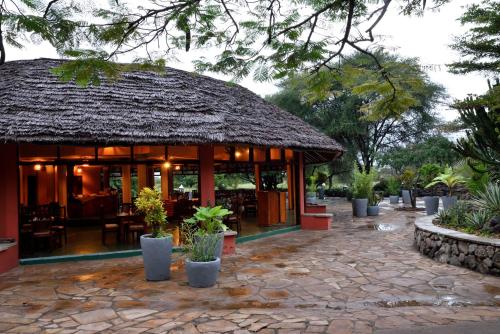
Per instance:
{"type": "Point", "coordinates": [449, 178]}
{"type": "Point", "coordinates": [489, 199]}
{"type": "Point", "coordinates": [477, 219]}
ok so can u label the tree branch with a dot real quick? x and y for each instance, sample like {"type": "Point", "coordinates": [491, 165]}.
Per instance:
{"type": "Point", "coordinates": [47, 9]}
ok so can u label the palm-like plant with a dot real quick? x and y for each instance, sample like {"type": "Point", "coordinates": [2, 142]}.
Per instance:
{"type": "Point", "coordinates": [449, 178]}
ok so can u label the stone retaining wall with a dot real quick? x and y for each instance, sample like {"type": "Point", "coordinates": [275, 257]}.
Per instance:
{"type": "Point", "coordinates": [457, 248]}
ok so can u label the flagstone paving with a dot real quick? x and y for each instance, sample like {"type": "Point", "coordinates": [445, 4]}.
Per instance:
{"type": "Point", "coordinates": [363, 276]}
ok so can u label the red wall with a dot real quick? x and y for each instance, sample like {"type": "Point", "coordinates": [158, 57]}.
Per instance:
{"type": "Point", "coordinates": [207, 179]}
{"type": "Point", "coordinates": [9, 204]}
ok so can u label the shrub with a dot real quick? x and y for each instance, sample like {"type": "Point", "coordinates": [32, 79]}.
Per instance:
{"type": "Point", "coordinates": [408, 178]}
{"type": "Point", "coordinates": [362, 185]}
{"type": "Point", "coordinates": [393, 186]}
{"type": "Point", "coordinates": [150, 203]}
{"type": "Point", "coordinates": [428, 172]}
{"type": "Point", "coordinates": [456, 215]}
{"type": "Point", "coordinates": [449, 178]}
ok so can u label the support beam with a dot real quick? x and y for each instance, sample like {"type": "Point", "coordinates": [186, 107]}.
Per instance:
{"type": "Point", "coordinates": [164, 181]}
{"type": "Point", "coordinates": [207, 179]}
{"type": "Point", "coordinates": [62, 186]}
{"type": "Point", "coordinates": [258, 184]}
{"type": "Point", "coordinates": [301, 187]}
{"type": "Point", "coordinates": [9, 204]}
{"type": "Point", "coordinates": [126, 184]}
{"type": "Point", "coordinates": [142, 176]}
{"type": "Point", "coordinates": [289, 177]}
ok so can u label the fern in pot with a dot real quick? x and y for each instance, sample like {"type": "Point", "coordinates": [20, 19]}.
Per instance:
{"type": "Point", "coordinates": [203, 240]}
{"type": "Point", "coordinates": [373, 203]}
{"type": "Point", "coordinates": [209, 220]}
{"type": "Point", "coordinates": [157, 245]}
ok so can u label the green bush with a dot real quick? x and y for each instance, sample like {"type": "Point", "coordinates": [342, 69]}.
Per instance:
{"type": "Point", "coordinates": [362, 185]}
{"type": "Point", "coordinates": [150, 203]}
{"type": "Point", "coordinates": [456, 215]}
{"type": "Point", "coordinates": [428, 172]}
{"type": "Point", "coordinates": [475, 220]}
{"type": "Point", "coordinates": [409, 178]}
{"type": "Point", "coordinates": [393, 186]}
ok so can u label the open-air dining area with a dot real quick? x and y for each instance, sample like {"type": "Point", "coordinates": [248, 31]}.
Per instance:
{"type": "Point", "coordinates": [80, 200]}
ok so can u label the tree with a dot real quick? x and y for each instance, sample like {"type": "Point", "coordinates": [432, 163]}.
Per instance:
{"type": "Point", "coordinates": [479, 48]}
{"type": "Point", "coordinates": [265, 38]}
{"type": "Point", "coordinates": [434, 150]}
{"type": "Point", "coordinates": [481, 116]}
{"type": "Point", "coordinates": [352, 115]}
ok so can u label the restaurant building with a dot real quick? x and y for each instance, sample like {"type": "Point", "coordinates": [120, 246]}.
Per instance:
{"type": "Point", "coordinates": [74, 158]}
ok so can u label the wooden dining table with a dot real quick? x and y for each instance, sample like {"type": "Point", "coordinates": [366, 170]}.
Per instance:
{"type": "Point", "coordinates": [124, 218]}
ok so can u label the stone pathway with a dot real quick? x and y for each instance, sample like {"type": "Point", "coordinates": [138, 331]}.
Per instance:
{"type": "Point", "coordinates": [363, 276]}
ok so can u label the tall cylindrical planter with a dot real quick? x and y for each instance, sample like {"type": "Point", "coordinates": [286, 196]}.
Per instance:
{"type": "Point", "coordinates": [431, 205]}
{"type": "Point", "coordinates": [360, 207]}
{"type": "Point", "coordinates": [393, 199]}
{"type": "Point", "coordinates": [448, 201]}
{"type": "Point", "coordinates": [157, 256]}
{"type": "Point", "coordinates": [373, 210]}
{"type": "Point", "coordinates": [406, 197]}
{"type": "Point", "coordinates": [202, 274]}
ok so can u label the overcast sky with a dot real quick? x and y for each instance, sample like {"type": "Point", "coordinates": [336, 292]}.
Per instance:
{"type": "Point", "coordinates": [426, 37]}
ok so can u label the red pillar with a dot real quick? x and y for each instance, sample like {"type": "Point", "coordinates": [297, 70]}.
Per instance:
{"type": "Point", "coordinates": [301, 193]}
{"type": "Point", "coordinates": [207, 180]}
{"type": "Point", "coordinates": [9, 205]}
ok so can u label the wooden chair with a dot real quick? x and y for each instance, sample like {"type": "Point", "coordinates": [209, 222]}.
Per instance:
{"type": "Point", "coordinates": [127, 208]}
{"type": "Point", "coordinates": [235, 218]}
{"type": "Point", "coordinates": [59, 225]}
{"type": "Point", "coordinates": [250, 207]}
{"type": "Point", "coordinates": [136, 228]}
{"type": "Point", "coordinates": [41, 231]}
{"type": "Point", "coordinates": [109, 224]}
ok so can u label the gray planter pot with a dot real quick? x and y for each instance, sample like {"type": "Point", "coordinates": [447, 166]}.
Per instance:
{"type": "Point", "coordinates": [220, 244]}
{"type": "Point", "coordinates": [393, 199]}
{"type": "Point", "coordinates": [373, 210]}
{"type": "Point", "coordinates": [360, 207]}
{"type": "Point", "coordinates": [448, 201]}
{"type": "Point", "coordinates": [202, 274]}
{"type": "Point", "coordinates": [311, 198]}
{"type": "Point", "coordinates": [157, 256]}
{"type": "Point", "coordinates": [431, 205]}
{"type": "Point", "coordinates": [406, 197]}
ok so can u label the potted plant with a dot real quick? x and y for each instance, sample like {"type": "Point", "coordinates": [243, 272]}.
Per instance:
{"type": "Point", "coordinates": [209, 221]}
{"type": "Point", "coordinates": [393, 187]}
{"type": "Point", "coordinates": [362, 187]}
{"type": "Point", "coordinates": [156, 246]}
{"type": "Point", "coordinates": [311, 188]}
{"type": "Point", "coordinates": [450, 179]}
{"type": "Point", "coordinates": [409, 181]}
{"type": "Point", "coordinates": [373, 201]}
{"type": "Point", "coordinates": [202, 265]}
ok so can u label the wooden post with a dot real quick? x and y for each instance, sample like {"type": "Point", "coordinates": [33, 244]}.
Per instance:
{"type": "Point", "coordinates": [164, 181]}
{"type": "Point", "coordinates": [289, 177]}
{"type": "Point", "coordinates": [207, 179]}
{"type": "Point", "coordinates": [126, 184]}
{"type": "Point", "coordinates": [142, 176]}
{"type": "Point", "coordinates": [9, 199]}
{"type": "Point", "coordinates": [301, 187]}
{"type": "Point", "coordinates": [258, 184]}
{"type": "Point", "coordinates": [62, 186]}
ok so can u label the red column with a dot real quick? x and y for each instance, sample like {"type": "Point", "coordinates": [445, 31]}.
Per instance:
{"type": "Point", "coordinates": [9, 204]}
{"type": "Point", "coordinates": [301, 193]}
{"type": "Point", "coordinates": [207, 180]}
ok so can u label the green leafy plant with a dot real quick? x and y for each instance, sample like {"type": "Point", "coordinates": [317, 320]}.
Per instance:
{"type": "Point", "coordinates": [409, 178]}
{"type": "Point", "coordinates": [149, 202]}
{"type": "Point", "coordinates": [393, 186]}
{"type": "Point", "coordinates": [489, 199]}
{"type": "Point", "coordinates": [449, 178]}
{"type": "Point", "coordinates": [428, 172]}
{"type": "Point", "coordinates": [199, 248]}
{"type": "Point", "coordinates": [362, 185]}
{"type": "Point", "coordinates": [375, 198]}
{"type": "Point", "coordinates": [475, 220]}
{"type": "Point", "coordinates": [456, 215]}
{"type": "Point", "coordinates": [312, 184]}
{"type": "Point", "coordinates": [209, 220]}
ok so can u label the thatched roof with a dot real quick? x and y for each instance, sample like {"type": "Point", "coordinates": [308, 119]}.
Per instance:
{"type": "Point", "coordinates": [176, 107]}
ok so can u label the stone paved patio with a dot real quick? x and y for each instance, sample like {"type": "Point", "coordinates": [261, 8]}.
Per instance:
{"type": "Point", "coordinates": [363, 276]}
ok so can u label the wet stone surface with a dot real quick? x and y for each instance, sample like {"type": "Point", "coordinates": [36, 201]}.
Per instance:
{"type": "Point", "coordinates": [355, 278]}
